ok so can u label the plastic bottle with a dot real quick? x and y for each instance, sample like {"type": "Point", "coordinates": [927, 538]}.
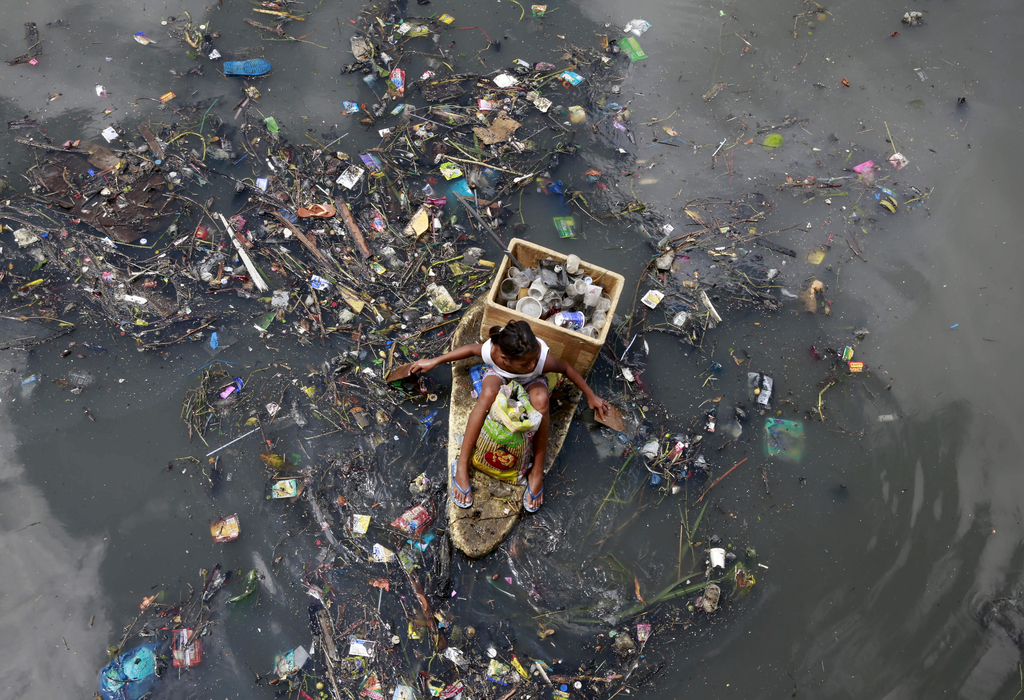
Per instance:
{"type": "Point", "coordinates": [81, 378]}
{"type": "Point", "coordinates": [441, 299]}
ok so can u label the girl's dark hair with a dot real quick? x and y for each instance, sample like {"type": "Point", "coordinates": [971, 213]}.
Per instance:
{"type": "Point", "coordinates": [515, 340]}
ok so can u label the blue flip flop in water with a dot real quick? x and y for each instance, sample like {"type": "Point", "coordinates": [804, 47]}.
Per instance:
{"type": "Point", "coordinates": [533, 497]}
{"type": "Point", "coordinates": [455, 485]}
{"type": "Point", "coordinates": [251, 68]}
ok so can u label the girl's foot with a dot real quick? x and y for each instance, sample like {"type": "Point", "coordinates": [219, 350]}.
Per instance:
{"type": "Point", "coordinates": [462, 497]}
{"type": "Point", "coordinates": [533, 501]}
{"type": "Point", "coordinates": [534, 496]}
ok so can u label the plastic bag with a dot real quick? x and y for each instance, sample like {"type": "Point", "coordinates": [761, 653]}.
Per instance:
{"type": "Point", "coordinates": [503, 449]}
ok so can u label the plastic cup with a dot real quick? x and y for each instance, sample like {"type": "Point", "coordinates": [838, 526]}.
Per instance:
{"type": "Point", "coordinates": [530, 307]}
{"type": "Point", "coordinates": [508, 289]}
{"type": "Point", "coordinates": [538, 289]}
{"type": "Point", "coordinates": [572, 264]}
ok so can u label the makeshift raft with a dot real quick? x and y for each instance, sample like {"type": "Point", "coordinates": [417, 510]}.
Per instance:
{"type": "Point", "coordinates": [497, 505]}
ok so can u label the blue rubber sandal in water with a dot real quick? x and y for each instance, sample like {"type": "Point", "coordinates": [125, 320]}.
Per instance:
{"type": "Point", "coordinates": [251, 68]}
{"type": "Point", "coordinates": [533, 497]}
{"type": "Point", "coordinates": [455, 484]}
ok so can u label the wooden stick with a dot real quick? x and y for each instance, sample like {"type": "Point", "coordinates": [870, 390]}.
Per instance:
{"type": "Point", "coordinates": [855, 251]}
{"type": "Point", "coordinates": [353, 228]}
{"type": "Point", "coordinates": [309, 245]}
{"type": "Point", "coordinates": [254, 272]}
{"type": "Point", "coordinates": [279, 14]}
{"type": "Point", "coordinates": [720, 478]}
{"type": "Point", "coordinates": [147, 134]}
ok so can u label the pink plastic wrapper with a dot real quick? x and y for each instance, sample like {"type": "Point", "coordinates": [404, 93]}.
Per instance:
{"type": "Point", "coordinates": [398, 81]}
{"type": "Point", "coordinates": [864, 168]}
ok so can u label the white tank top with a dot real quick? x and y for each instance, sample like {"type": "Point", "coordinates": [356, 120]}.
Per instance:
{"type": "Point", "coordinates": [485, 353]}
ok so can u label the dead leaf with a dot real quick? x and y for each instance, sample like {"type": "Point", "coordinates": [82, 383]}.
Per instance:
{"type": "Point", "coordinates": [636, 584]}
{"type": "Point", "coordinates": [501, 129]}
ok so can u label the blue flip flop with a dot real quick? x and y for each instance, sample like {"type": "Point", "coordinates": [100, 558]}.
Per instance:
{"type": "Point", "coordinates": [465, 492]}
{"type": "Point", "coordinates": [251, 68]}
{"type": "Point", "coordinates": [533, 496]}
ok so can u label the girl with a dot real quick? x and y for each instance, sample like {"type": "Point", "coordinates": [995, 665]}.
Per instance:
{"type": "Point", "coordinates": [512, 353]}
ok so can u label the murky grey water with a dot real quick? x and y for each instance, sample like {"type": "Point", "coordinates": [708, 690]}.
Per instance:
{"type": "Point", "coordinates": [882, 544]}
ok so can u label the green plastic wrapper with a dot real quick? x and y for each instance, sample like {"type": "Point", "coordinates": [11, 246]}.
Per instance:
{"type": "Point", "coordinates": [631, 47]}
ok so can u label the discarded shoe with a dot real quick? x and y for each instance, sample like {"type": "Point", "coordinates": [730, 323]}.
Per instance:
{"type": "Point", "coordinates": [251, 68]}
{"type": "Point", "coordinates": [317, 211]}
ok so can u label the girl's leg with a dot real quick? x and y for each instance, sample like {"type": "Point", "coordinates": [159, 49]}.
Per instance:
{"type": "Point", "coordinates": [535, 478]}
{"type": "Point", "coordinates": [488, 390]}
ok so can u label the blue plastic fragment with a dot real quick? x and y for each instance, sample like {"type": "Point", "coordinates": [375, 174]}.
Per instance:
{"type": "Point", "coordinates": [253, 67]}
{"type": "Point", "coordinates": [213, 341]}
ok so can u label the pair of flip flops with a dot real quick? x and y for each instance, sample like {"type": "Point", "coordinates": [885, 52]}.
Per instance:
{"type": "Point", "coordinates": [317, 211]}
{"type": "Point", "coordinates": [467, 492]}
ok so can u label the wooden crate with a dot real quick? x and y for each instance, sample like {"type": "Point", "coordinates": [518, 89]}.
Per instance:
{"type": "Point", "coordinates": [573, 347]}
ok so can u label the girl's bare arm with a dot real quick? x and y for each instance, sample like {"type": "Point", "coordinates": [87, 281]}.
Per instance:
{"type": "Point", "coordinates": [473, 349]}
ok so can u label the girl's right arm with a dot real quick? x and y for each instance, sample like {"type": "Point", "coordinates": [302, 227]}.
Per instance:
{"type": "Point", "coordinates": [420, 366]}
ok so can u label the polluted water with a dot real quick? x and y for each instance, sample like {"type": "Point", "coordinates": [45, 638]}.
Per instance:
{"type": "Point", "coordinates": [771, 238]}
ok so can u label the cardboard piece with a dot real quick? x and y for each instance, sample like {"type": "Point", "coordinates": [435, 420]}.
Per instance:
{"type": "Point", "coordinates": [614, 419]}
{"type": "Point", "coordinates": [400, 372]}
